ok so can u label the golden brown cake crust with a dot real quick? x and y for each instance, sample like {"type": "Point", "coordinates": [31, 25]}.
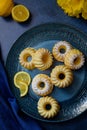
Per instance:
{"type": "Point", "coordinates": [23, 58]}
{"type": "Point", "coordinates": [43, 59]}
{"type": "Point", "coordinates": [61, 76]}
{"type": "Point", "coordinates": [48, 107]}
{"type": "Point", "coordinates": [74, 59]}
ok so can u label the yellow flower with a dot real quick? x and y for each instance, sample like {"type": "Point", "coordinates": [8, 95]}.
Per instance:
{"type": "Point", "coordinates": [71, 7]}
{"type": "Point", "coordinates": [84, 10]}
{"type": "Point", "coordinates": [65, 5]}
{"type": "Point", "coordinates": [77, 6]}
{"type": "Point", "coordinates": [84, 15]}
{"type": "Point", "coordinates": [85, 6]}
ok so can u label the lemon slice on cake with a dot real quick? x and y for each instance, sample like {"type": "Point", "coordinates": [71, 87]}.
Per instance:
{"type": "Point", "coordinates": [20, 13]}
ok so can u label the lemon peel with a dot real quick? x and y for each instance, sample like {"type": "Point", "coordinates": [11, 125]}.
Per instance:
{"type": "Point", "coordinates": [6, 7]}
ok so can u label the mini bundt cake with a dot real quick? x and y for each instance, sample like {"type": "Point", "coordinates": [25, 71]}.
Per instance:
{"type": "Point", "coordinates": [61, 76]}
{"type": "Point", "coordinates": [43, 59]}
{"type": "Point", "coordinates": [60, 49]}
{"type": "Point", "coordinates": [23, 58]}
{"type": "Point", "coordinates": [42, 85]}
{"type": "Point", "coordinates": [48, 107]}
{"type": "Point", "coordinates": [74, 59]}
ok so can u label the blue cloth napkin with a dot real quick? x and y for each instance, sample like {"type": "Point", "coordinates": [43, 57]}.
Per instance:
{"type": "Point", "coordinates": [11, 118]}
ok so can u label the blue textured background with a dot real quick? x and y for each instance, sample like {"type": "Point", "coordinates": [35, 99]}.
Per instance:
{"type": "Point", "coordinates": [42, 11]}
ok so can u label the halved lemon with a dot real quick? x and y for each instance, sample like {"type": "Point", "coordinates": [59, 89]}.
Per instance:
{"type": "Point", "coordinates": [20, 13]}
{"type": "Point", "coordinates": [22, 77]}
{"type": "Point", "coordinates": [23, 89]}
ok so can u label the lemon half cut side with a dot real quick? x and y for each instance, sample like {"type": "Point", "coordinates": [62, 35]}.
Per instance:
{"type": "Point", "coordinates": [20, 13]}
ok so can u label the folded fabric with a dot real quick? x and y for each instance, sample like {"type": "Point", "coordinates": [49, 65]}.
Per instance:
{"type": "Point", "coordinates": [11, 118]}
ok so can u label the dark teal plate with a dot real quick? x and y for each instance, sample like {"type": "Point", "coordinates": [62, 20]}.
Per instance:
{"type": "Point", "coordinates": [73, 100]}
